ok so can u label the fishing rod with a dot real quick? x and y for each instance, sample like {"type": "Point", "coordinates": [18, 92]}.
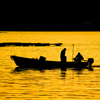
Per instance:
{"type": "Point", "coordinates": [73, 52]}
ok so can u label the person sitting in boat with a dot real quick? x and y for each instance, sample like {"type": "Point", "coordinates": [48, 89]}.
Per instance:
{"type": "Point", "coordinates": [62, 55]}
{"type": "Point", "coordinates": [78, 57]}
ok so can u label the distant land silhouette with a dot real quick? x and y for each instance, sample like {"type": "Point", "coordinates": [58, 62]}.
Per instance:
{"type": "Point", "coordinates": [51, 22]}
{"type": "Point", "coordinates": [28, 44]}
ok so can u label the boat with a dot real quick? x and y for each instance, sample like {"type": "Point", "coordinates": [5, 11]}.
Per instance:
{"type": "Point", "coordinates": [42, 63]}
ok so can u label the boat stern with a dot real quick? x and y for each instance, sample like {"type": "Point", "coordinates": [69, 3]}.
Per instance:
{"type": "Point", "coordinates": [90, 62]}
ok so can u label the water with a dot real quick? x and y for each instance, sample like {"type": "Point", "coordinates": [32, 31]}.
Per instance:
{"type": "Point", "coordinates": [50, 84]}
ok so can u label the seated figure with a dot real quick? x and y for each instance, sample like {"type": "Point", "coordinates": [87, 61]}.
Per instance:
{"type": "Point", "coordinates": [78, 57]}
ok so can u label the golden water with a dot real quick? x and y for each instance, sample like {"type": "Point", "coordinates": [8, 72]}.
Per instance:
{"type": "Point", "coordinates": [50, 84]}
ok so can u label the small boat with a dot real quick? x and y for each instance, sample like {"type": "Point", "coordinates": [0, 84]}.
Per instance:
{"type": "Point", "coordinates": [42, 63]}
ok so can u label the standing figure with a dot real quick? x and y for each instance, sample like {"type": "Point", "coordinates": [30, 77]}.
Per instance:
{"type": "Point", "coordinates": [78, 57]}
{"type": "Point", "coordinates": [62, 56]}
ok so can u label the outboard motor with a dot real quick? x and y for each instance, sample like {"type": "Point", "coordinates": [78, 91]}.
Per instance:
{"type": "Point", "coordinates": [90, 61]}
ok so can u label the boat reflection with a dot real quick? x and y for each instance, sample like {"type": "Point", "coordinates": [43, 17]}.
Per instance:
{"type": "Point", "coordinates": [63, 70]}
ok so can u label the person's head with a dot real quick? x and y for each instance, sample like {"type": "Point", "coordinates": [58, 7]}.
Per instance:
{"type": "Point", "coordinates": [65, 49]}
{"type": "Point", "coordinates": [78, 53]}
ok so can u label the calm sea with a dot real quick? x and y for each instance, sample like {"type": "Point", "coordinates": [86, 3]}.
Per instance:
{"type": "Point", "coordinates": [50, 84]}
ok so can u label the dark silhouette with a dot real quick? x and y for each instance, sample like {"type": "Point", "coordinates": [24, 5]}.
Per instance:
{"type": "Point", "coordinates": [90, 60]}
{"type": "Point", "coordinates": [42, 64]}
{"type": "Point", "coordinates": [63, 74]}
{"type": "Point", "coordinates": [62, 56]}
{"type": "Point", "coordinates": [28, 44]}
{"type": "Point", "coordinates": [56, 21]}
{"type": "Point", "coordinates": [42, 58]}
{"type": "Point", "coordinates": [63, 60]}
{"type": "Point", "coordinates": [78, 57]}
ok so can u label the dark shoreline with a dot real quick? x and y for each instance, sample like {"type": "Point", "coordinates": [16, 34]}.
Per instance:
{"type": "Point", "coordinates": [28, 44]}
{"type": "Point", "coordinates": [55, 28]}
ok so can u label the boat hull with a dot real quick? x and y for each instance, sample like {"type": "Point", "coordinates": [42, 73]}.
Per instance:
{"type": "Point", "coordinates": [23, 62]}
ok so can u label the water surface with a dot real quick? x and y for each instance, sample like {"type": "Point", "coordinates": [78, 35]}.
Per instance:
{"type": "Point", "coordinates": [50, 84]}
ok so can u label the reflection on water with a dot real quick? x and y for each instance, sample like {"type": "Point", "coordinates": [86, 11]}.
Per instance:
{"type": "Point", "coordinates": [49, 84]}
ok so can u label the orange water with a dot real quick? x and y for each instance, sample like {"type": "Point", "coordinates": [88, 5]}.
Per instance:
{"type": "Point", "coordinates": [50, 84]}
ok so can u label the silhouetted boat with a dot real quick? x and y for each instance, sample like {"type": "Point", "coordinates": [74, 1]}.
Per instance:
{"type": "Point", "coordinates": [23, 62]}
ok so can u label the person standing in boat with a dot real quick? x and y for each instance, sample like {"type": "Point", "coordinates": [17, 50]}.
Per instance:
{"type": "Point", "coordinates": [62, 55]}
{"type": "Point", "coordinates": [78, 57]}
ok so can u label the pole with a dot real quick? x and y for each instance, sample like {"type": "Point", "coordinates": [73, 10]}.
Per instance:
{"type": "Point", "coordinates": [73, 52]}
